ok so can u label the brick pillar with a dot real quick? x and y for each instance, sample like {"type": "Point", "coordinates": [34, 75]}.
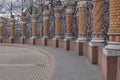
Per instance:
{"type": "Point", "coordinates": [112, 50]}
{"type": "Point", "coordinates": [34, 26]}
{"type": "Point", "coordinates": [69, 16]}
{"type": "Point", "coordinates": [81, 28]}
{"type": "Point", "coordinates": [98, 6]}
{"type": "Point", "coordinates": [82, 22]}
{"type": "Point", "coordinates": [97, 36]}
{"type": "Point", "coordinates": [23, 29]}
{"type": "Point", "coordinates": [57, 11]}
{"type": "Point", "coordinates": [34, 29]}
{"type": "Point", "coordinates": [57, 22]}
{"type": "Point", "coordinates": [12, 22]}
{"type": "Point", "coordinates": [45, 24]}
{"type": "Point", "coordinates": [1, 30]}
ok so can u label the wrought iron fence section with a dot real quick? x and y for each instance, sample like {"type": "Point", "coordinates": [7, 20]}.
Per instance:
{"type": "Point", "coordinates": [6, 29]}
{"type": "Point", "coordinates": [28, 27]}
{"type": "Point", "coordinates": [17, 28]}
{"type": "Point", "coordinates": [106, 20]}
{"type": "Point", "coordinates": [89, 14]}
{"type": "Point", "coordinates": [75, 21]}
{"type": "Point", "coordinates": [51, 28]}
{"type": "Point", "coordinates": [40, 26]}
{"type": "Point", "coordinates": [63, 23]}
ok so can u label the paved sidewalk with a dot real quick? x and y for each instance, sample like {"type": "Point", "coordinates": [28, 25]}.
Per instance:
{"type": "Point", "coordinates": [72, 67]}
{"type": "Point", "coordinates": [22, 63]}
{"type": "Point", "coordinates": [68, 66]}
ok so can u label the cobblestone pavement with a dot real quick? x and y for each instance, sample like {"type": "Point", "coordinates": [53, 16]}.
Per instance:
{"type": "Point", "coordinates": [18, 63]}
{"type": "Point", "coordinates": [68, 66]}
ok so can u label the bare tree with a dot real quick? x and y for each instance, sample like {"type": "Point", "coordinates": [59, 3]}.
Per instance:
{"type": "Point", "coordinates": [1, 4]}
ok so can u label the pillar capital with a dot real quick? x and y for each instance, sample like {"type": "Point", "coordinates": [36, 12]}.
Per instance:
{"type": "Point", "coordinates": [1, 22]}
{"type": "Point", "coordinates": [22, 20]}
{"type": "Point", "coordinates": [12, 21]}
{"type": "Point", "coordinates": [34, 17]}
{"type": "Point", "coordinates": [81, 3]}
{"type": "Point", "coordinates": [69, 7]}
{"type": "Point", "coordinates": [57, 11]}
{"type": "Point", "coordinates": [46, 14]}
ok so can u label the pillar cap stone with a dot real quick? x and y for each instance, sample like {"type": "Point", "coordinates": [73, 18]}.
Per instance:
{"type": "Point", "coordinates": [34, 16]}
{"type": "Point", "coordinates": [81, 39]}
{"type": "Point", "coordinates": [81, 3]}
{"type": "Point", "coordinates": [58, 11]}
{"type": "Point", "coordinates": [12, 21]}
{"type": "Point", "coordinates": [46, 13]}
{"type": "Point", "coordinates": [1, 22]}
{"type": "Point", "coordinates": [23, 18]}
{"type": "Point", "coordinates": [112, 50]}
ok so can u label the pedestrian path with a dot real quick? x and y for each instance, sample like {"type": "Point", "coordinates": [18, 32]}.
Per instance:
{"type": "Point", "coordinates": [32, 65]}
{"type": "Point", "coordinates": [70, 66]}
{"type": "Point", "coordinates": [24, 63]}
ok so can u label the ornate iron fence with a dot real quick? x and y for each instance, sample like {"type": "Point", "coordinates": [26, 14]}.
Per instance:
{"type": "Point", "coordinates": [17, 29]}
{"type": "Point", "coordinates": [6, 29]}
{"type": "Point", "coordinates": [106, 20]}
{"type": "Point", "coordinates": [28, 27]}
{"type": "Point", "coordinates": [63, 23]}
{"type": "Point", "coordinates": [89, 14]}
{"type": "Point", "coordinates": [75, 21]}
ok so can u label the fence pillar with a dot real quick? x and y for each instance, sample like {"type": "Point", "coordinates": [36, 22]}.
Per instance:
{"type": "Point", "coordinates": [97, 36]}
{"type": "Point", "coordinates": [46, 25]}
{"type": "Point", "coordinates": [57, 26]}
{"type": "Point", "coordinates": [82, 27]}
{"type": "Point", "coordinates": [69, 16]}
{"type": "Point", "coordinates": [112, 50]}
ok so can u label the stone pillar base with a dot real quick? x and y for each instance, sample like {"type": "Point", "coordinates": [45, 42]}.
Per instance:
{"type": "Point", "coordinates": [109, 67]}
{"type": "Point", "coordinates": [79, 48]}
{"type": "Point", "coordinates": [22, 40]}
{"type": "Point", "coordinates": [93, 52]}
{"type": "Point", "coordinates": [44, 41]}
{"type": "Point", "coordinates": [1, 40]}
{"type": "Point", "coordinates": [79, 45]}
{"type": "Point", "coordinates": [67, 44]}
{"type": "Point", "coordinates": [11, 40]}
{"type": "Point", "coordinates": [55, 43]}
{"type": "Point", "coordinates": [32, 40]}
